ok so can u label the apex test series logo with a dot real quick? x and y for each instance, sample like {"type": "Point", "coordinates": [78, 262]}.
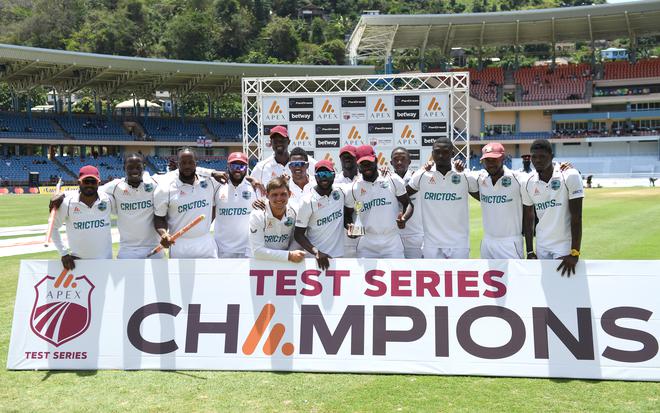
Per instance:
{"type": "Point", "coordinates": [354, 137]}
{"type": "Point", "coordinates": [435, 108]}
{"type": "Point", "coordinates": [328, 111]}
{"type": "Point", "coordinates": [380, 110]}
{"type": "Point", "coordinates": [302, 138]}
{"type": "Point", "coordinates": [62, 308]}
{"type": "Point", "coordinates": [275, 111]}
{"type": "Point", "coordinates": [274, 337]}
{"type": "Point", "coordinates": [407, 136]}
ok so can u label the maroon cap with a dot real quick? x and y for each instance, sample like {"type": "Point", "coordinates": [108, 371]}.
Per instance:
{"type": "Point", "coordinates": [238, 157]}
{"type": "Point", "coordinates": [492, 150]}
{"type": "Point", "coordinates": [324, 163]}
{"type": "Point", "coordinates": [365, 153]}
{"type": "Point", "coordinates": [350, 149]}
{"type": "Point", "coordinates": [280, 130]}
{"type": "Point", "coordinates": [88, 171]}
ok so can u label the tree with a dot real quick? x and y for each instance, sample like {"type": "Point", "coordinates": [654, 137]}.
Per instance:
{"type": "Point", "coordinates": [50, 24]}
{"type": "Point", "coordinates": [311, 54]}
{"type": "Point", "coordinates": [336, 49]}
{"type": "Point", "coordinates": [285, 8]}
{"type": "Point", "coordinates": [235, 35]}
{"type": "Point", "coordinates": [105, 32]}
{"type": "Point", "coordinates": [280, 39]}
{"type": "Point", "coordinates": [187, 36]}
{"type": "Point", "coordinates": [317, 30]}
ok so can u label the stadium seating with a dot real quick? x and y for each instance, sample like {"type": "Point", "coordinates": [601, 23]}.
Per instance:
{"type": "Point", "coordinates": [175, 130]}
{"type": "Point", "coordinates": [626, 70]}
{"type": "Point", "coordinates": [93, 128]}
{"type": "Point", "coordinates": [226, 130]}
{"type": "Point", "coordinates": [541, 83]}
{"type": "Point", "coordinates": [484, 83]}
{"type": "Point", "coordinates": [519, 135]}
{"type": "Point", "coordinates": [17, 169]}
{"type": "Point", "coordinates": [17, 125]}
{"type": "Point", "coordinates": [109, 167]}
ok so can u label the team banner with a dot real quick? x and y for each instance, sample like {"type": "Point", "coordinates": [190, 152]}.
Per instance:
{"type": "Point", "coordinates": [459, 317]}
{"type": "Point", "coordinates": [323, 124]}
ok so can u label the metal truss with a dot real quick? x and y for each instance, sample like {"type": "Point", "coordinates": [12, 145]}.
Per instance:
{"type": "Point", "coordinates": [371, 41]}
{"type": "Point", "coordinates": [456, 83]}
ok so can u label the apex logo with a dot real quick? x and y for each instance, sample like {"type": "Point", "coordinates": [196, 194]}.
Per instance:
{"type": "Point", "coordinates": [328, 157]}
{"type": "Point", "coordinates": [433, 105]}
{"type": "Point", "coordinates": [432, 180]}
{"type": "Point", "coordinates": [301, 135]}
{"type": "Point", "coordinates": [274, 337]}
{"type": "Point", "coordinates": [407, 136]}
{"type": "Point", "coordinates": [62, 308]}
{"type": "Point", "coordinates": [380, 106]}
{"type": "Point", "coordinates": [380, 159]}
{"type": "Point", "coordinates": [354, 137]}
{"type": "Point", "coordinates": [362, 191]}
{"type": "Point", "coordinates": [276, 109]}
{"type": "Point", "coordinates": [327, 107]}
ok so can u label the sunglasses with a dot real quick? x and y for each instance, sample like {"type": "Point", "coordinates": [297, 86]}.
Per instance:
{"type": "Point", "coordinates": [325, 174]}
{"type": "Point", "coordinates": [239, 167]}
{"type": "Point", "coordinates": [297, 164]}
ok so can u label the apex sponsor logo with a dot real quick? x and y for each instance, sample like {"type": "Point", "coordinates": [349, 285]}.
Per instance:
{"type": "Point", "coordinates": [434, 109]}
{"type": "Point", "coordinates": [274, 337]}
{"type": "Point", "coordinates": [275, 113]}
{"type": "Point", "coordinates": [354, 137]}
{"type": "Point", "coordinates": [407, 137]}
{"type": "Point", "coordinates": [302, 138]}
{"type": "Point", "coordinates": [327, 111]}
{"type": "Point", "coordinates": [380, 111]}
{"type": "Point", "coordinates": [62, 308]}
{"type": "Point", "coordinates": [328, 157]}
{"type": "Point", "coordinates": [381, 160]}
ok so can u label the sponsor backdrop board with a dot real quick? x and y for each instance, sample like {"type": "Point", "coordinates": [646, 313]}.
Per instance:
{"type": "Point", "coordinates": [323, 124]}
{"type": "Point", "coordinates": [459, 317]}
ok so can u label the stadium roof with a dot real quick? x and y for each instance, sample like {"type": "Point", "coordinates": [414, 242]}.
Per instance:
{"type": "Point", "coordinates": [375, 36]}
{"type": "Point", "coordinates": [26, 67]}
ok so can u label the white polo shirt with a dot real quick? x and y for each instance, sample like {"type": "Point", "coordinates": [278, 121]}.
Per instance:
{"type": "Point", "coordinates": [270, 237]}
{"type": "Point", "coordinates": [135, 212]}
{"type": "Point", "coordinates": [232, 217]}
{"type": "Point", "coordinates": [87, 228]}
{"type": "Point", "coordinates": [181, 203]}
{"type": "Point", "coordinates": [501, 204]}
{"type": "Point", "coordinates": [550, 200]}
{"type": "Point", "coordinates": [298, 193]}
{"type": "Point", "coordinates": [444, 204]}
{"type": "Point", "coordinates": [269, 168]}
{"type": "Point", "coordinates": [323, 218]}
{"type": "Point", "coordinates": [414, 226]}
{"type": "Point", "coordinates": [380, 206]}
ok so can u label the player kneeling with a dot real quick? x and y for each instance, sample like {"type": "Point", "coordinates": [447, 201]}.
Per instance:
{"type": "Point", "coordinates": [271, 229]}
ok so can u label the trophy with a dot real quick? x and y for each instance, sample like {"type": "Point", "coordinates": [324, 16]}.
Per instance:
{"type": "Point", "coordinates": [357, 230]}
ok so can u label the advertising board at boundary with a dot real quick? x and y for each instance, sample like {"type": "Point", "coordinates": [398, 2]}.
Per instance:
{"type": "Point", "coordinates": [459, 317]}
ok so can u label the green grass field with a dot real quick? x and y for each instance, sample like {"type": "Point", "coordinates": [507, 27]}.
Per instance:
{"type": "Point", "coordinates": [618, 224]}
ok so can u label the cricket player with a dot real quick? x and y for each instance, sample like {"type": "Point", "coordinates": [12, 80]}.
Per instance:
{"type": "Point", "coordinates": [500, 196]}
{"type": "Point", "coordinates": [233, 207]}
{"type": "Point", "coordinates": [348, 175]}
{"type": "Point", "coordinates": [320, 218]}
{"type": "Point", "coordinates": [180, 201]}
{"type": "Point", "coordinates": [271, 229]}
{"type": "Point", "coordinates": [278, 163]}
{"type": "Point", "coordinates": [300, 183]}
{"type": "Point", "coordinates": [443, 200]}
{"type": "Point", "coordinates": [556, 197]}
{"type": "Point", "coordinates": [412, 235]}
{"type": "Point", "coordinates": [86, 215]}
{"type": "Point", "coordinates": [376, 199]}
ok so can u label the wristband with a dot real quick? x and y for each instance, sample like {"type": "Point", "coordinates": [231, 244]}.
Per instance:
{"type": "Point", "coordinates": [575, 253]}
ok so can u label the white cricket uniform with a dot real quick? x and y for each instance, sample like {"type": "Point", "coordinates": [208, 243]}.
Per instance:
{"type": "Point", "coordinates": [323, 218]}
{"type": "Point", "coordinates": [445, 214]}
{"type": "Point", "coordinates": [181, 203]}
{"type": "Point", "coordinates": [232, 219]}
{"type": "Point", "coordinates": [135, 217]}
{"type": "Point", "coordinates": [412, 235]}
{"type": "Point", "coordinates": [501, 210]}
{"type": "Point", "coordinates": [87, 228]}
{"type": "Point", "coordinates": [270, 237]}
{"type": "Point", "coordinates": [380, 208]}
{"type": "Point", "coordinates": [267, 169]}
{"type": "Point", "coordinates": [550, 200]}
{"type": "Point", "coordinates": [350, 244]}
{"type": "Point", "coordinates": [298, 193]}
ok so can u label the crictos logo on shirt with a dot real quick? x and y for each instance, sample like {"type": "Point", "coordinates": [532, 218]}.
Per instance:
{"type": "Point", "coordinates": [541, 206]}
{"type": "Point", "coordinates": [96, 223]}
{"type": "Point", "coordinates": [441, 196]}
{"type": "Point", "coordinates": [192, 205]}
{"type": "Point", "coordinates": [232, 211]}
{"type": "Point", "coordinates": [375, 203]}
{"type": "Point", "coordinates": [494, 199]}
{"type": "Point", "coordinates": [326, 220]}
{"type": "Point", "coordinates": [132, 206]}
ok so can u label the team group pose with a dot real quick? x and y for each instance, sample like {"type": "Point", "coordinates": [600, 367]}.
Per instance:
{"type": "Point", "coordinates": [292, 207]}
